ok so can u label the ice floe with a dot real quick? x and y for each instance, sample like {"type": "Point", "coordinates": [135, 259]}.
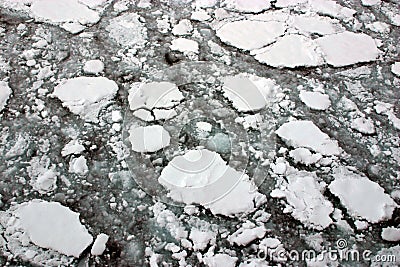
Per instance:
{"type": "Point", "coordinates": [396, 68]}
{"type": "Point", "coordinates": [248, 92]}
{"type": "Point", "coordinates": [99, 244]}
{"type": "Point", "coordinates": [202, 177]}
{"type": "Point", "coordinates": [48, 225]}
{"type": "Point", "coordinates": [305, 200]}
{"type": "Point", "coordinates": [304, 156]}
{"type": "Point", "coordinates": [253, 6]}
{"type": "Point", "coordinates": [220, 260]}
{"type": "Point", "coordinates": [148, 138]}
{"type": "Point", "coordinates": [363, 125]}
{"type": "Point", "coordinates": [391, 234]}
{"type": "Point", "coordinates": [154, 100]}
{"type": "Point", "coordinates": [352, 189]}
{"type": "Point", "coordinates": [246, 234]}
{"type": "Point", "coordinates": [185, 45]}
{"type": "Point", "coordinates": [5, 92]}
{"type": "Point", "coordinates": [307, 134]}
{"type": "Point", "coordinates": [94, 66]}
{"type": "Point", "coordinates": [86, 96]}
{"type": "Point", "coordinates": [72, 147]}
{"type": "Point", "coordinates": [315, 100]}
{"type": "Point", "coordinates": [184, 27]}
{"type": "Point", "coordinates": [78, 165]}
{"type": "Point", "coordinates": [43, 174]}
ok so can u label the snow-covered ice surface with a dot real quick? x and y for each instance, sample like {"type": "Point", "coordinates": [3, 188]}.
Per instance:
{"type": "Point", "coordinates": [199, 132]}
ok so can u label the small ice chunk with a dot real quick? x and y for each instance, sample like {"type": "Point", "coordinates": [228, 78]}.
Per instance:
{"type": "Point", "coordinates": [86, 96]}
{"type": "Point", "coordinates": [391, 234]}
{"type": "Point", "coordinates": [200, 15]}
{"type": "Point", "coordinates": [78, 166]}
{"type": "Point", "coordinates": [200, 238]}
{"type": "Point", "coordinates": [148, 138]}
{"type": "Point", "coordinates": [250, 34]}
{"type": "Point", "coordinates": [184, 27]}
{"type": "Point", "coordinates": [305, 200]}
{"type": "Point", "coordinates": [370, 2]}
{"type": "Point", "coordinates": [307, 134]}
{"type": "Point", "coordinates": [246, 234]}
{"type": "Point", "coordinates": [184, 45]}
{"type": "Point", "coordinates": [315, 100]}
{"type": "Point", "coordinates": [116, 116]}
{"type": "Point", "coordinates": [93, 66]}
{"type": "Point", "coordinates": [219, 260]}
{"type": "Point", "coordinates": [352, 190]}
{"type": "Point", "coordinates": [290, 51]}
{"type": "Point", "coordinates": [363, 125]}
{"type": "Point", "coordinates": [67, 236]}
{"type": "Point", "coordinates": [99, 244]}
{"type": "Point", "coordinates": [72, 147]}
{"type": "Point", "coordinates": [204, 126]}
{"type": "Point", "coordinates": [347, 48]}
{"type": "Point", "coordinates": [396, 68]}
{"type": "Point", "coordinates": [248, 92]}
{"type": "Point", "coordinates": [219, 143]}
{"type": "Point", "coordinates": [5, 92]}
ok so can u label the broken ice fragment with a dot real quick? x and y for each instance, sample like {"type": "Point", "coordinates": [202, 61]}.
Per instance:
{"type": "Point", "coordinates": [220, 260]}
{"type": "Point", "coordinates": [254, 6]}
{"type": "Point", "coordinates": [184, 27]}
{"type": "Point", "coordinates": [184, 45]}
{"type": "Point", "coordinates": [148, 138]}
{"type": "Point", "coordinates": [72, 147]}
{"type": "Point", "coordinates": [307, 134]}
{"type": "Point", "coordinates": [396, 68]}
{"type": "Point", "coordinates": [99, 244]}
{"type": "Point", "coordinates": [304, 156]}
{"type": "Point", "coordinates": [250, 34]}
{"type": "Point", "coordinates": [78, 166]}
{"type": "Point", "coordinates": [315, 100]}
{"type": "Point", "coordinates": [246, 234]}
{"type": "Point", "coordinates": [290, 51]}
{"type": "Point", "coordinates": [352, 190]}
{"type": "Point", "coordinates": [391, 234]}
{"type": "Point", "coordinates": [363, 125]}
{"type": "Point", "coordinates": [53, 226]}
{"type": "Point", "coordinates": [202, 177]}
{"type": "Point", "coordinates": [347, 48]}
{"type": "Point", "coordinates": [93, 66]}
{"type": "Point", "coordinates": [305, 200]}
{"type": "Point", "coordinates": [86, 96]}
{"type": "Point", "coordinates": [5, 92]}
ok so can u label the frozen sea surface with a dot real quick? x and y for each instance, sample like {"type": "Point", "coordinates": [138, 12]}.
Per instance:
{"type": "Point", "coordinates": [199, 132]}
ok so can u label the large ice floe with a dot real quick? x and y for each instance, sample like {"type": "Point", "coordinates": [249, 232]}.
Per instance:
{"type": "Point", "coordinates": [362, 197]}
{"type": "Point", "coordinates": [148, 138]}
{"type": "Point", "coordinates": [86, 96]}
{"type": "Point", "coordinates": [281, 39]}
{"type": "Point", "coordinates": [154, 100]}
{"type": "Point", "coordinates": [44, 233]}
{"type": "Point", "coordinates": [203, 177]}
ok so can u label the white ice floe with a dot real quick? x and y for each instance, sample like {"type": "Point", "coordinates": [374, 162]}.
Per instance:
{"type": "Point", "coordinates": [250, 34]}
{"type": "Point", "coordinates": [370, 2]}
{"type": "Point", "coordinates": [5, 92]}
{"type": "Point", "coordinates": [316, 24]}
{"type": "Point", "coordinates": [307, 134]}
{"type": "Point", "coordinates": [246, 234]}
{"type": "Point", "coordinates": [154, 100]}
{"type": "Point", "coordinates": [99, 244]}
{"type": "Point", "coordinates": [253, 6]}
{"type": "Point", "coordinates": [184, 27]}
{"type": "Point", "coordinates": [184, 45]}
{"type": "Point", "coordinates": [219, 259]}
{"type": "Point", "coordinates": [86, 96]}
{"type": "Point", "coordinates": [363, 125]}
{"type": "Point", "coordinates": [391, 234]}
{"type": "Point", "coordinates": [127, 30]}
{"type": "Point", "coordinates": [149, 138]}
{"type": "Point", "coordinates": [72, 147]}
{"type": "Point", "coordinates": [78, 165]}
{"type": "Point", "coordinates": [290, 51]}
{"type": "Point", "coordinates": [362, 197]}
{"type": "Point", "coordinates": [315, 100]}
{"type": "Point", "coordinates": [48, 225]}
{"type": "Point", "coordinates": [387, 109]}
{"type": "Point", "coordinates": [304, 156]}
{"type": "Point", "coordinates": [250, 121]}
{"type": "Point", "coordinates": [93, 66]}
{"type": "Point", "coordinates": [248, 92]}
{"type": "Point", "coordinates": [203, 177]}
{"type": "Point", "coordinates": [305, 200]}
{"type": "Point", "coordinates": [348, 48]}
{"type": "Point", "coordinates": [396, 68]}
